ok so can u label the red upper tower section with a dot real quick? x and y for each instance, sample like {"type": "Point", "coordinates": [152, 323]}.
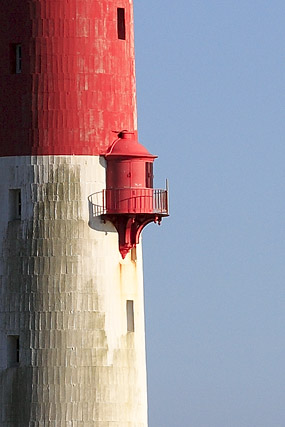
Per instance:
{"type": "Point", "coordinates": [67, 74]}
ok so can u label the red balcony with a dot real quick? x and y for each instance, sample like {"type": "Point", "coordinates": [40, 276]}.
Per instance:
{"type": "Point", "coordinates": [130, 210]}
{"type": "Point", "coordinates": [130, 201]}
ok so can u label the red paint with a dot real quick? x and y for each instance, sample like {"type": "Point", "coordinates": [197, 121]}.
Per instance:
{"type": "Point", "coordinates": [131, 202]}
{"type": "Point", "coordinates": [129, 228]}
{"type": "Point", "coordinates": [127, 190]}
{"type": "Point", "coordinates": [77, 83]}
{"type": "Point", "coordinates": [76, 87]}
{"type": "Point", "coordinates": [126, 146]}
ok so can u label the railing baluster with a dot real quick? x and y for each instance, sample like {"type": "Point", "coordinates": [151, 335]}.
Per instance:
{"type": "Point", "coordinates": [138, 201]}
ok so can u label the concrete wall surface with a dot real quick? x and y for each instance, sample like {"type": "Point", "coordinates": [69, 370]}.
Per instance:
{"type": "Point", "coordinates": [66, 355]}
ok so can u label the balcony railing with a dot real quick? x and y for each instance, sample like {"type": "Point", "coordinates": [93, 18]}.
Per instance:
{"type": "Point", "coordinates": [129, 200]}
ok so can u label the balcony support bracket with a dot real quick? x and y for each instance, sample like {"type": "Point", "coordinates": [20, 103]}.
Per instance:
{"type": "Point", "coordinates": [129, 228]}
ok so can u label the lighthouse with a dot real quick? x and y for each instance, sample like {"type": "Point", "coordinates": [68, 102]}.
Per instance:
{"type": "Point", "coordinates": [76, 191]}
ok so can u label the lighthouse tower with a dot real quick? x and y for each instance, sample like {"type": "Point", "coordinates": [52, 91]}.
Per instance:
{"type": "Point", "coordinates": [76, 191]}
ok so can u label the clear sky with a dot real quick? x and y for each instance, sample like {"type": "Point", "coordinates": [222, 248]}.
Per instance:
{"type": "Point", "coordinates": [211, 104]}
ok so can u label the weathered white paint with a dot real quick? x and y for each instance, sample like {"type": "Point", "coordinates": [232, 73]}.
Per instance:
{"type": "Point", "coordinates": [63, 290]}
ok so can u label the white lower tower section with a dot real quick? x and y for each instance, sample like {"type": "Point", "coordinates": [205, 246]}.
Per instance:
{"type": "Point", "coordinates": [72, 340]}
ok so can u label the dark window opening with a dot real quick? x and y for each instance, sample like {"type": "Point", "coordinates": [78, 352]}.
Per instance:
{"type": "Point", "coordinates": [13, 350]}
{"type": "Point", "coordinates": [149, 175]}
{"type": "Point", "coordinates": [15, 202]}
{"type": "Point", "coordinates": [130, 316]}
{"type": "Point", "coordinates": [121, 25]}
{"type": "Point", "coordinates": [16, 58]}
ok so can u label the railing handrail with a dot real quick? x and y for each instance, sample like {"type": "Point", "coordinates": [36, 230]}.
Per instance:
{"type": "Point", "coordinates": [130, 188]}
{"type": "Point", "coordinates": [159, 199]}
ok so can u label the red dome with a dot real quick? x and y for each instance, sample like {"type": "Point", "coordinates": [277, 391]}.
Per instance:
{"type": "Point", "coordinates": [128, 146]}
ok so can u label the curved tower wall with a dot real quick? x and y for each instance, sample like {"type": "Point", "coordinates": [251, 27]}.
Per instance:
{"type": "Point", "coordinates": [70, 351]}
{"type": "Point", "coordinates": [77, 80]}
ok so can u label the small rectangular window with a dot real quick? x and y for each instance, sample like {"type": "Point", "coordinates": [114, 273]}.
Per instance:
{"type": "Point", "coordinates": [121, 25]}
{"type": "Point", "coordinates": [15, 204]}
{"type": "Point", "coordinates": [130, 316]}
{"type": "Point", "coordinates": [18, 58]}
{"type": "Point", "coordinates": [149, 174]}
{"type": "Point", "coordinates": [15, 58]}
{"type": "Point", "coordinates": [13, 350]}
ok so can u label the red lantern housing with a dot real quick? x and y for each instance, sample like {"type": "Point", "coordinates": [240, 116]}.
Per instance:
{"type": "Point", "coordinates": [129, 177]}
{"type": "Point", "coordinates": [130, 202]}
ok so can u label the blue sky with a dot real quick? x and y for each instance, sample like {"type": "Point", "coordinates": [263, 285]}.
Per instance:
{"type": "Point", "coordinates": [211, 104]}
